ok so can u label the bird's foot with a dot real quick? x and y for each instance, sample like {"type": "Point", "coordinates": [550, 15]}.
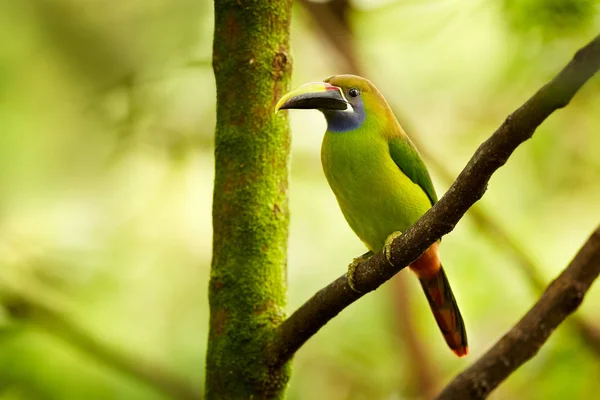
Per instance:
{"type": "Point", "coordinates": [352, 269]}
{"type": "Point", "coordinates": [387, 247]}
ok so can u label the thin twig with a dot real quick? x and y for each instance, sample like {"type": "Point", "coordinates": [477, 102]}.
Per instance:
{"type": "Point", "coordinates": [524, 340]}
{"type": "Point", "coordinates": [443, 217]}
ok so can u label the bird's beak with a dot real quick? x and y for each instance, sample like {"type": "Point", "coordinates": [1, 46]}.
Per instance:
{"type": "Point", "coordinates": [314, 95]}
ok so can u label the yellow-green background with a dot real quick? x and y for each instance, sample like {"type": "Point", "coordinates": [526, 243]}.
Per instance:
{"type": "Point", "coordinates": [107, 111]}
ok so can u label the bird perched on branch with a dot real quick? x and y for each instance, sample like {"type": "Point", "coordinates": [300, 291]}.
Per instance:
{"type": "Point", "coordinates": [380, 182]}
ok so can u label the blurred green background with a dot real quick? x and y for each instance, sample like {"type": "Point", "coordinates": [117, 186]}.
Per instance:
{"type": "Point", "coordinates": [107, 111]}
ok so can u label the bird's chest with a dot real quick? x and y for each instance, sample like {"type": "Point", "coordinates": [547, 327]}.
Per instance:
{"type": "Point", "coordinates": [373, 193]}
{"type": "Point", "coordinates": [356, 168]}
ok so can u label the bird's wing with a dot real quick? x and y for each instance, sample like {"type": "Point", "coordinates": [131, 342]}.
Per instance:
{"type": "Point", "coordinates": [407, 158]}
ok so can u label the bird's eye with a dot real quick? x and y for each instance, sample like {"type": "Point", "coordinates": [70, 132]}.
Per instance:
{"type": "Point", "coordinates": [354, 92]}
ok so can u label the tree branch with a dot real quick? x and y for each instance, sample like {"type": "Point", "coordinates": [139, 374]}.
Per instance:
{"type": "Point", "coordinates": [443, 216]}
{"type": "Point", "coordinates": [587, 330]}
{"type": "Point", "coordinates": [524, 340]}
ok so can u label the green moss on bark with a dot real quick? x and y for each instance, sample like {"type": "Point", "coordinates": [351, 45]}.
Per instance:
{"type": "Point", "coordinates": [247, 292]}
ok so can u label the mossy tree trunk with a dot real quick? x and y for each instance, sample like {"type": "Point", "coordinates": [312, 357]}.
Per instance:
{"type": "Point", "coordinates": [247, 291]}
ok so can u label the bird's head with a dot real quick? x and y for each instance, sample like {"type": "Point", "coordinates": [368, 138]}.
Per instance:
{"type": "Point", "coordinates": [347, 101]}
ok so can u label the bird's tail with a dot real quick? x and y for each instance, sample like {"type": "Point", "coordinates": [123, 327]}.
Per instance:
{"type": "Point", "coordinates": [447, 315]}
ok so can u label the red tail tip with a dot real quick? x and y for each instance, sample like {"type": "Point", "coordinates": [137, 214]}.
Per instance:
{"type": "Point", "coordinates": [461, 351]}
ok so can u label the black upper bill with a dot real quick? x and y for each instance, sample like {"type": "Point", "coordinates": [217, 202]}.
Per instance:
{"type": "Point", "coordinates": [327, 100]}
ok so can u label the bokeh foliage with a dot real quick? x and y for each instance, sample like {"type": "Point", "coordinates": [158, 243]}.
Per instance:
{"type": "Point", "coordinates": [106, 168]}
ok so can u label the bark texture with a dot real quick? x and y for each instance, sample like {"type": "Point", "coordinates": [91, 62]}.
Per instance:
{"type": "Point", "coordinates": [247, 291]}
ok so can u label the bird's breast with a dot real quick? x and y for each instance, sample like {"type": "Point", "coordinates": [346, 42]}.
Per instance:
{"type": "Point", "coordinates": [375, 196]}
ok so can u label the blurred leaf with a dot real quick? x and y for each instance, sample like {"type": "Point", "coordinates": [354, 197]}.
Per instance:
{"type": "Point", "coordinates": [550, 18]}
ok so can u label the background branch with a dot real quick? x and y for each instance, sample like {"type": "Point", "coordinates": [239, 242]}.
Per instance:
{"type": "Point", "coordinates": [25, 308]}
{"type": "Point", "coordinates": [524, 340]}
{"type": "Point", "coordinates": [441, 218]}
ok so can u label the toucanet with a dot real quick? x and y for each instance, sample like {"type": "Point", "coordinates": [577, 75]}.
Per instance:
{"type": "Point", "coordinates": [380, 181]}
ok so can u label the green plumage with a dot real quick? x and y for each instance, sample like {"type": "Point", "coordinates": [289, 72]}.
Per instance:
{"type": "Point", "coordinates": [380, 182]}
{"type": "Point", "coordinates": [377, 175]}
{"type": "Point", "coordinates": [407, 158]}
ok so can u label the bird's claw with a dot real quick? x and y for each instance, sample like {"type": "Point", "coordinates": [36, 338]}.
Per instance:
{"type": "Point", "coordinates": [352, 269]}
{"type": "Point", "coordinates": [387, 247]}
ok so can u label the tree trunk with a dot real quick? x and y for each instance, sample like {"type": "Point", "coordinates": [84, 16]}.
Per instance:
{"type": "Point", "coordinates": [250, 208]}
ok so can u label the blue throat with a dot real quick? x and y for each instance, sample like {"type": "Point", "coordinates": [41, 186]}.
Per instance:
{"type": "Point", "coordinates": [344, 121]}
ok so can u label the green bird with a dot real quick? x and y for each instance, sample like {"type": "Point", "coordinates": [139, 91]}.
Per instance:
{"type": "Point", "coordinates": [380, 181]}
